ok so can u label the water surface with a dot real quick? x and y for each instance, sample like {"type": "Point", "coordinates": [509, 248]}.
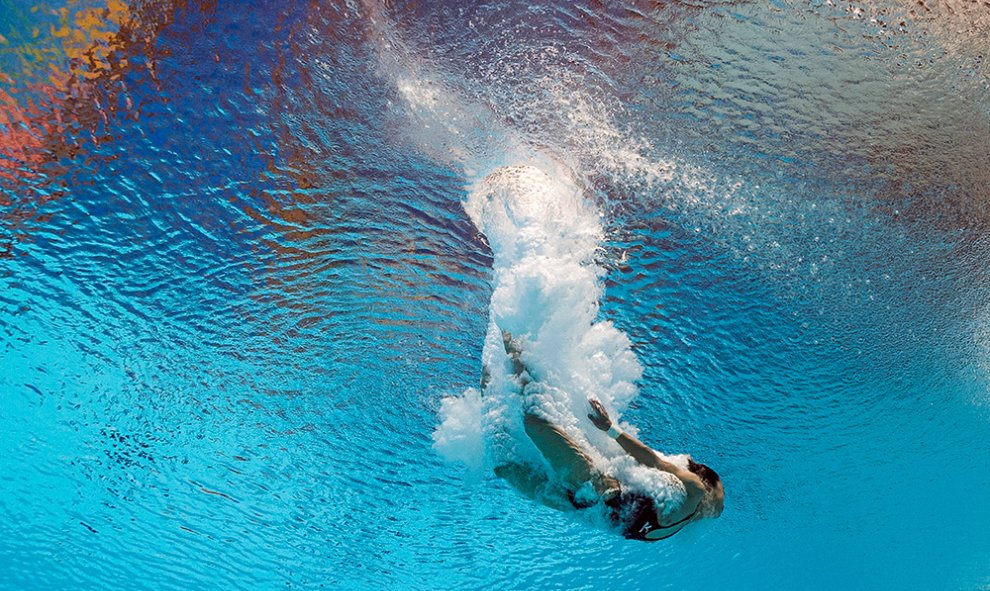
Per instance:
{"type": "Point", "coordinates": [237, 281]}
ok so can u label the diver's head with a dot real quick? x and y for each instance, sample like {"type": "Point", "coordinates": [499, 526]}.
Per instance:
{"type": "Point", "coordinates": [714, 500]}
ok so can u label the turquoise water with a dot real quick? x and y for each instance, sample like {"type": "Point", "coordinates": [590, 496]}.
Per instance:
{"type": "Point", "coordinates": [238, 281]}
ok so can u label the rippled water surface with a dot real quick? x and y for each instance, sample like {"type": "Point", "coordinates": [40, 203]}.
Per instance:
{"type": "Point", "coordinates": [237, 280]}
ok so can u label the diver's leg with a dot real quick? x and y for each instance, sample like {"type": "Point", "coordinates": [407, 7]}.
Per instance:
{"type": "Point", "coordinates": [527, 480]}
{"type": "Point", "coordinates": [531, 482]}
{"type": "Point", "coordinates": [566, 458]}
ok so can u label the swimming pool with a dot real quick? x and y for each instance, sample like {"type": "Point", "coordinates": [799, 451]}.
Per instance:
{"type": "Point", "coordinates": [238, 282]}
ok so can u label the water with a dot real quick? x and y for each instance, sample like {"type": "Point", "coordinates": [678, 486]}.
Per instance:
{"type": "Point", "coordinates": [238, 282]}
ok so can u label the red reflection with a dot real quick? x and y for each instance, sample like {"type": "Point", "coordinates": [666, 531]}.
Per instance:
{"type": "Point", "coordinates": [66, 87]}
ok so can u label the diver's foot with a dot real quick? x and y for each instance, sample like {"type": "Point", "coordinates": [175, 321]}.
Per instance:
{"type": "Point", "coordinates": [513, 349]}
{"type": "Point", "coordinates": [512, 346]}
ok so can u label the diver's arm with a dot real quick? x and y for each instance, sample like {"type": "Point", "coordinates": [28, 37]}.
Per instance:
{"type": "Point", "coordinates": [634, 447]}
{"type": "Point", "coordinates": [648, 457]}
{"type": "Point", "coordinates": [643, 453]}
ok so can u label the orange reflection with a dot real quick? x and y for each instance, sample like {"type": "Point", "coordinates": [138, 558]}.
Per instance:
{"type": "Point", "coordinates": [62, 85]}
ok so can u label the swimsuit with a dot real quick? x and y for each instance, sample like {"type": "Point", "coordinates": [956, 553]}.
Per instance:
{"type": "Point", "coordinates": [647, 521]}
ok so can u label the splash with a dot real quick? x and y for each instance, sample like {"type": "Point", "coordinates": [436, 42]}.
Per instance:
{"type": "Point", "coordinates": [527, 195]}
{"type": "Point", "coordinates": [544, 235]}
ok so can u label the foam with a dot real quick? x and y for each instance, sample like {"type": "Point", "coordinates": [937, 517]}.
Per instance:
{"type": "Point", "coordinates": [459, 440]}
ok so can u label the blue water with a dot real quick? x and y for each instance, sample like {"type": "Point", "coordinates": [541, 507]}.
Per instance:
{"type": "Point", "coordinates": [237, 281]}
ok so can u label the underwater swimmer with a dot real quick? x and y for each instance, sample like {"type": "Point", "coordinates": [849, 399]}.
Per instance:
{"type": "Point", "coordinates": [585, 487]}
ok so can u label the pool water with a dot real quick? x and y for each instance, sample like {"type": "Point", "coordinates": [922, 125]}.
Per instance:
{"type": "Point", "coordinates": [240, 277]}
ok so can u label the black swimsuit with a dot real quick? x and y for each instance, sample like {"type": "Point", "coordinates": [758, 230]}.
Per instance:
{"type": "Point", "coordinates": [647, 522]}
{"type": "Point", "coordinates": [645, 518]}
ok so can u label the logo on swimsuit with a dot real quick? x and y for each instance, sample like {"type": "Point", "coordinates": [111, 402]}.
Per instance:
{"type": "Point", "coordinates": [647, 528]}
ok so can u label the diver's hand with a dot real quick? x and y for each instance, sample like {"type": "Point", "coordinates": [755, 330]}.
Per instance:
{"type": "Point", "coordinates": [599, 416]}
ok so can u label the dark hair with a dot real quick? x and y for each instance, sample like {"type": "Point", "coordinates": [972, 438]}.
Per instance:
{"type": "Point", "coordinates": [707, 475]}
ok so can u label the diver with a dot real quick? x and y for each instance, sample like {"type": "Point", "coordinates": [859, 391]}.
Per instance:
{"type": "Point", "coordinates": [584, 487]}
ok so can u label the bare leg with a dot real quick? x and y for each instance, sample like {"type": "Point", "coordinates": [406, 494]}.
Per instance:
{"type": "Point", "coordinates": [565, 456]}
{"type": "Point", "coordinates": [532, 482]}
{"type": "Point", "coordinates": [568, 461]}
